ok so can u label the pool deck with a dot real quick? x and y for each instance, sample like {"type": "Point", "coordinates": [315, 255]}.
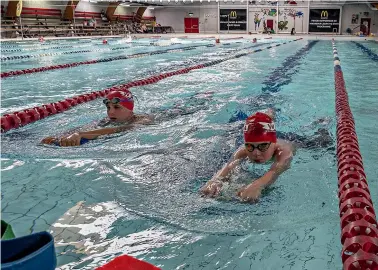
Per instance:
{"type": "Point", "coordinates": [220, 36]}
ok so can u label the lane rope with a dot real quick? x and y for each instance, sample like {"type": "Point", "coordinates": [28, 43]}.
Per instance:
{"type": "Point", "coordinates": [359, 233]}
{"type": "Point", "coordinates": [95, 61]}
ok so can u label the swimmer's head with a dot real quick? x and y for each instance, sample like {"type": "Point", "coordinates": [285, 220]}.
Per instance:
{"type": "Point", "coordinates": [259, 137]}
{"type": "Point", "coordinates": [120, 105]}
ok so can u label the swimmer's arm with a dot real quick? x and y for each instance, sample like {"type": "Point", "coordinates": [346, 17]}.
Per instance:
{"type": "Point", "coordinates": [93, 134]}
{"type": "Point", "coordinates": [225, 173]}
{"type": "Point", "coordinates": [73, 139]}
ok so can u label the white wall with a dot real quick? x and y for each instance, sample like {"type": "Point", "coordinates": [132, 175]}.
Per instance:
{"type": "Point", "coordinates": [91, 7]}
{"type": "Point", "coordinates": [149, 13]}
{"type": "Point", "coordinates": [44, 4]}
{"type": "Point", "coordinates": [174, 16]}
{"type": "Point", "coordinates": [359, 9]}
{"type": "Point", "coordinates": [122, 10]}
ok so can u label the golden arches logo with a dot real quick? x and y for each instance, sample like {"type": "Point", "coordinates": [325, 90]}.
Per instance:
{"type": "Point", "coordinates": [324, 14]}
{"type": "Point", "coordinates": [233, 15]}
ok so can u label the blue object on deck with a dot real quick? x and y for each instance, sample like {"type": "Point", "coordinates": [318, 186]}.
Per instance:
{"type": "Point", "coordinates": [34, 251]}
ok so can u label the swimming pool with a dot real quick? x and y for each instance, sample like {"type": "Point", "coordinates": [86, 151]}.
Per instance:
{"type": "Point", "coordinates": [137, 193]}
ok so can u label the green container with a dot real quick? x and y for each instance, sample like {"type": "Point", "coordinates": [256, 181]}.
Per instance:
{"type": "Point", "coordinates": [6, 231]}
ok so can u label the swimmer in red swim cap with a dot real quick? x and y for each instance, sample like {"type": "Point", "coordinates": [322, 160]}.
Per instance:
{"type": "Point", "coordinates": [260, 146]}
{"type": "Point", "coordinates": [120, 106]}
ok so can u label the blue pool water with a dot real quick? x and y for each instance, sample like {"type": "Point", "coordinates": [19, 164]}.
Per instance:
{"type": "Point", "coordinates": [137, 193]}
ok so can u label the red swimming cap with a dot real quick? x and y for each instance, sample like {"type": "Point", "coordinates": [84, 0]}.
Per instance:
{"type": "Point", "coordinates": [259, 127]}
{"type": "Point", "coordinates": [125, 96]}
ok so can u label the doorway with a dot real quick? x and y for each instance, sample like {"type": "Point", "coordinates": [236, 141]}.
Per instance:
{"type": "Point", "coordinates": [191, 25]}
{"type": "Point", "coordinates": [365, 26]}
{"type": "Point", "coordinates": [269, 24]}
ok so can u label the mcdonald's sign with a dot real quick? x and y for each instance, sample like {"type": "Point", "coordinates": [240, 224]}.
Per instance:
{"type": "Point", "coordinates": [232, 19]}
{"type": "Point", "coordinates": [324, 20]}
{"type": "Point", "coordinates": [324, 15]}
{"type": "Point", "coordinates": [233, 15]}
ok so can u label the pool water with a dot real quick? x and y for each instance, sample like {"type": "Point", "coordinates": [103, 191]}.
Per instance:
{"type": "Point", "coordinates": [137, 193]}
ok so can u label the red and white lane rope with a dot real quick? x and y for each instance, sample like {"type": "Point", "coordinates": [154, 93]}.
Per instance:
{"type": "Point", "coordinates": [359, 233]}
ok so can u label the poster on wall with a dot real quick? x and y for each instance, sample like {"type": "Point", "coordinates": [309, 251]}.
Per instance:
{"type": "Point", "coordinates": [233, 19]}
{"type": "Point", "coordinates": [324, 20]}
{"type": "Point", "coordinates": [354, 18]}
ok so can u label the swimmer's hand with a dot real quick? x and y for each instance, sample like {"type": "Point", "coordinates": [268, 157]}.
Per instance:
{"type": "Point", "coordinates": [250, 193]}
{"type": "Point", "coordinates": [212, 188]}
{"type": "Point", "coordinates": [71, 140]}
{"type": "Point", "coordinates": [49, 140]}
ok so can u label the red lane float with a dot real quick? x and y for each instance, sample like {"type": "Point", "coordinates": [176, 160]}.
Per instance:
{"type": "Point", "coordinates": [12, 121]}
{"type": "Point", "coordinates": [126, 262]}
{"type": "Point", "coordinates": [359, 233]}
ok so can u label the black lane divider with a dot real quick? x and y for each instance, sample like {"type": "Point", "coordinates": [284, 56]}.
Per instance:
{"type": "Point", "coordinates": [35, 49]}
{"type": "Point", "coordinates": [49, 48]}
{"type": "Point", "coordinates": [26, 56]}
{"type": "Point", "coordinates": [27, 116]}
{"type": "Point", "coordinates": [373, 56]}
{"type": "Point", "coordinates": [282, 75]}
{"type": "Point", "coordinates": [61, 53]}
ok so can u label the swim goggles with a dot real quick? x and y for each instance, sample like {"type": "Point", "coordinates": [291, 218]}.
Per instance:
{"type": "Point", "coordinates": [117, 100]}
{"type": "Point", "coordinates": [262, 147]}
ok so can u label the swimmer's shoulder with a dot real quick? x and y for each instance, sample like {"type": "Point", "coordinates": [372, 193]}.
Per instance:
{"type": "Point", "coordinates": [144, 119]}
{"type": "Point", "coordinates": [241, 153]}
{"type": "Point", "coordinates": [284, 148]}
